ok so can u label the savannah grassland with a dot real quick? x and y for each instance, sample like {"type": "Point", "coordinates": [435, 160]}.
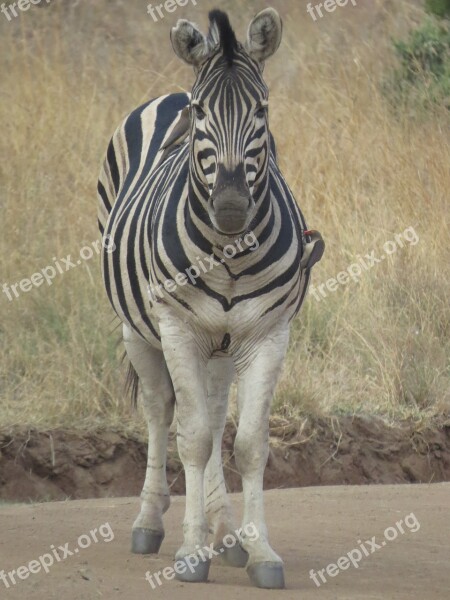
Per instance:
{"type": "Point", "coordinates": [361, 171]}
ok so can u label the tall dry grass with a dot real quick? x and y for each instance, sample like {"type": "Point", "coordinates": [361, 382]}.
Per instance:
{"type": "Point", "coordinates": [361, 172]}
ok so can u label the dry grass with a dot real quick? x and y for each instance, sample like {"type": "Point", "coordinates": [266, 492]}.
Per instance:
{"type": "Point", "coordinates": [71, 71]}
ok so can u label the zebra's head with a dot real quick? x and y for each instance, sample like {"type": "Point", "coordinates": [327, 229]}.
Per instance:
{"type": "Point", "coordinates": [229, 133]}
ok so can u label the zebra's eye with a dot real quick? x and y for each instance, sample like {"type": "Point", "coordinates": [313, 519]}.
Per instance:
{"type": "Point", "coordinates": [261, 112]}
{"type": "Point", "coordinates": [198, 111]}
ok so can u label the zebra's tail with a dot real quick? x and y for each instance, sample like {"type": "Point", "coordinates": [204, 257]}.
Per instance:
{"type": "Point", "coordinates": [131, 386]}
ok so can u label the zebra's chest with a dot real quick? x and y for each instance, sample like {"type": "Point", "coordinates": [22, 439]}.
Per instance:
{"type": "Point", "coordinates": [220, 302]}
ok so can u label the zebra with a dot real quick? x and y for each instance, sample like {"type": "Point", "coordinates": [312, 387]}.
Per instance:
{"type": "Point", "coordinates": [186, 176]}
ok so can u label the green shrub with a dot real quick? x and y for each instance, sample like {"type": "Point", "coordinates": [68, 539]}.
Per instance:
{"type": "Point", "coordinates": [440, 8]}
{"type": "Point", "coordinates": [424, 74]}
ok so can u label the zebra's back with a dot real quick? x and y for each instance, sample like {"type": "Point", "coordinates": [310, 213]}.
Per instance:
{"type": "Point", "coordinates": [135, 149]}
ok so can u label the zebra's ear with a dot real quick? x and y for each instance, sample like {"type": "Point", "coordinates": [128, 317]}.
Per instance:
{"type": "Point", "coordinates": [189, 43]}
{"type": "Point", "coordinates": [264, 35]}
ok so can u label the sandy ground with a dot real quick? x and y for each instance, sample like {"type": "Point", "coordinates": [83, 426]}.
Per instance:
{"type": "Point", "coordinates": [310, 528]}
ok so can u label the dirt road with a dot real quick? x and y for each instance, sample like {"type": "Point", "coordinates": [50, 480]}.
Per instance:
{"type": "Point", "coordinates": [311, 528]}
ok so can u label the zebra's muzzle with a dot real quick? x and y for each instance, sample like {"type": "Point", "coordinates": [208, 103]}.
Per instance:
{"type": "Point", "coordinates": [231, 214]}
{"type": "Point", "coordinates": [231, 206]}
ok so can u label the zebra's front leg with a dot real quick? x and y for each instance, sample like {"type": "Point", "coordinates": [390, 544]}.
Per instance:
{"type": "Point", "coordinates": [256, 385]}
{"type": "Point", "coordinates": [218, 508]}
{"type": "Point", "coordinates": [158, 401]}
{"type": "Point", "coordinates": [187, 366]}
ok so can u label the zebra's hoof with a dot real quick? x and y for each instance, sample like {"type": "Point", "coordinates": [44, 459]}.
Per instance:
{"type": "Point", "coordinates": [235, 556]}
{"type": "Point", "coordinates": [193, 570]}
{"type": "Point", "coordinates": [268, 575]}
{"type": "Point", "coordinates": [146, 541]}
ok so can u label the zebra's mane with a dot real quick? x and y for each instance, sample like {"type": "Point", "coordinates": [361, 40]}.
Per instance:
{"type": "Point", "coordinates": [221, 33]}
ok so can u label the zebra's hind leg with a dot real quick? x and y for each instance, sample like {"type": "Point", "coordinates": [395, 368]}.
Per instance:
{"type": "Point", "coordinates": [158, 400]}
{"type": "Point", "coordinates": [220, 373]}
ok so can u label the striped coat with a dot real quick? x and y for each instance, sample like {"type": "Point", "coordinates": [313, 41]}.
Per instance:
{"type": "Point", "coordinates": [144, 208]}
